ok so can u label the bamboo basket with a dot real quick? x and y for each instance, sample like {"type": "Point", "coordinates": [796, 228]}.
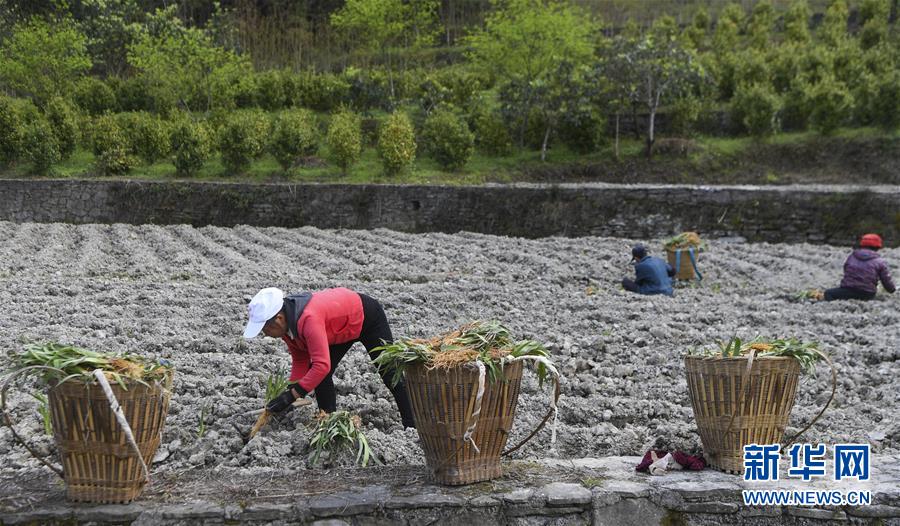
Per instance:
{"type": "Point", "coordinates": [98, 464]}
{"type": "Point", "coordinates": [684, 269]}
{"type": "Point", "coordinates": [734, 408]}
{"type": "Point", "coordinates": [443, 401]}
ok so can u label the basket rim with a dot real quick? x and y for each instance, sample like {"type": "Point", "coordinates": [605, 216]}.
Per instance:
{"type": "Point", "coordinates": [742, 358]}
{"type": "Point", "coordinates": [88, 380]}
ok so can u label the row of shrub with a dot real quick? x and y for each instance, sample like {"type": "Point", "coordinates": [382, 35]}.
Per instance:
{"type": "Point", "coordinates": [274, 90]}
{"type": "Point", "coordinates": [119, 141]}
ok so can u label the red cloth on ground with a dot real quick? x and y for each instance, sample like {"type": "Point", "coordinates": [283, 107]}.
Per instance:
{"type": "Point", "coordinates": [686, 461]}
{"type": "Point", "coordinates": [331, 317]}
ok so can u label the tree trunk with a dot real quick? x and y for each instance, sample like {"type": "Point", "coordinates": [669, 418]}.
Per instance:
{"type": "Point", "coordinates": [617, 135]}
{"type": "Point", "coordinates": [391, 77]}
{"type": "Point", "coordinates": [650, 137]}
{"type": "Point", "coordinates": [544, 145]}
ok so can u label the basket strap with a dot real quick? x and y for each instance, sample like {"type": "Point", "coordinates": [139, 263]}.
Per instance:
{"type": "Point", "coordinates": [470, 429]}
{"type": "Point", "coordinates": [552, 411]}
{"type": "Point", "coordinates": [828, 403]}
{"type": "Point", "coordinates": [553, 408]}
{"type": "Point", "coordinates": [9, 423]}
{"type": "Point", "coordinates": [694, 263]}
{"type": "Point", "coordinates": [677, 261]}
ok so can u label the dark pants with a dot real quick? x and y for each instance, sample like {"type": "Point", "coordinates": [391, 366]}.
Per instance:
{"type": "Point", "coordinates": [844, 293]}
{"type": "Point", "coordinates": [375, 329]}
{"type": "Point", "coordinates": [630, 285]}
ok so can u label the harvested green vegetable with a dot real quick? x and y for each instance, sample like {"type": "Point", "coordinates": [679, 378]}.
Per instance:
{"type": "Point", "coordinates": [685, 240]}
{"type": "Point", "coordinates": [337, 431]}
{"type": "Point", "coordinates": [807, 353]}
{"type": "Point", "coordinates": [57, 363]}
{"type": "Point", "coordinates": [488, 342]}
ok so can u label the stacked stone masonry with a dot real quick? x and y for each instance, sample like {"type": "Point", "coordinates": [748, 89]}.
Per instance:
{"type": "Point", "coordinates": [818, 214]}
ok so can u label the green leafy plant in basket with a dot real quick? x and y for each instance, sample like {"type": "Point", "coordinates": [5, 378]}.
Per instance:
{"type": "Point", "coordinates": [685, 240]}
{"type": "Point", "coordinates": [488, 342]}
{"type": "Point", "coordinates": [56, 363]}
{"type": "Point", "coordinates": [807, 353]}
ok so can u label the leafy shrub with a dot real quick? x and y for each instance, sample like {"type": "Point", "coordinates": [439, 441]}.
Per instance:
{"type": "Point", "coordinates": [685, 113]}
{"type": "Point", "coordinates": [491, 135]}
{"type": "Point", "coordinates": [242, 139]}
{"type": "Point", "coordinates": [322, 92]}
{"type": "Point", "coordinates": [831, 104]}
{"type": "Point", "coordinates": [756, 107]}
{"type": "Point", "coordinates": [273, 93]}
{"type": "Point", "coordinates": [111, 146]}
{"type": "Point", "coordinates": [64, 122]}
{"type": "Point", "coordinates": [10, 131]}
{"type": "Point", "coordinates": [94, 96]}
{"type": "Point", "coordinates": [886, 102]}
{"type": "Point", "coordinates": [294, 134]}
{"type": "Point", "coordinates": [582, 131]}
{"type": "Point", "coordinates": [344, 139]}
{"type": "Point", "coordinates": [447, 139]}
{"type": "Point", "coordinates": [191, 145]}
{"type": "Point", "coordinates": [369, 89]}
{"type": "Point", "coordinates": [148, 136]}
{"type": "Point", "coordinates": [40, 146]}
{"type": "Point", "coordinates": [396, 143]}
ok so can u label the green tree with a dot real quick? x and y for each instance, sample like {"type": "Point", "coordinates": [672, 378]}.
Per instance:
{"type": "Point", "coordinates": [40, 147]}
{"type": "Point", "coordinates": [344, 139]}
{"type": "Point", "coordinates": [64, 123]}
{"type": "Point", "coordinates": [191, 145]}
{"type": "Point", "coordinates": [651, 73]}
{"type": "Point", "coordinates": [831, 105]}
{"type": "Point", "coordinates": [756, 107]}
{"type": "Point", "coordinates": [242, 139]}
{"type": "Point", "coordinates": [525, 41]}
{"type": "Point", "coordinates": [873, 15]}
{"type": "Point", "coordinates": [110, 26]}
{"type": "Point", "coordinates": [185, 64]}
{"type": "Point", "coordinates": [759, 26]}
{"type": "Point", "coordinates": [11, 128]}
{"type": "Point", "coordinates": [41, 60]}
{"type": "Point", "coordinates": [697, 34]}
{"type": "Point", "coordinates": [886, 102]}
{"type": "Point", "coordinates": [294, 134]}
{"type": "Point", "coordinates": [796, 22]}
{"type": "Point", "coordinates": [386, 24]}
{"type": "Point", "coordinates": [834, 26]}
{"type": "Point", "coordinates": [728, 27]}
{"type": "Point", "coordinates": [397, 143]}
{"type": "Point", "coordinates": [447, 139]}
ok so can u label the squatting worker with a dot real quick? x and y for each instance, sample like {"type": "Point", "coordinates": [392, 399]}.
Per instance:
{"type": "Point", "coordinates": [862, 270]}
{"type": "Point", "coordinates": [652, 275]}
{"type": "Point", "coordinates": [318, 329]}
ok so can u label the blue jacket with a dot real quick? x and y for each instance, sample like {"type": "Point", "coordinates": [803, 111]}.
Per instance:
{"type": "Point", "coordinates": [652, 276]}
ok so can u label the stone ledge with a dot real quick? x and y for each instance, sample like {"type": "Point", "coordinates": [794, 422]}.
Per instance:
{"type": "Point", "coordinates": [620, 497]}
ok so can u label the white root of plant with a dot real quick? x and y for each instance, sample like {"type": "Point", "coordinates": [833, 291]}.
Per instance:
{"type": "Point", "coordinates": [120, 417]}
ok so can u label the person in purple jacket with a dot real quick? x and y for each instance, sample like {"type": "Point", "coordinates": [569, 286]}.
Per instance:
{"type": "Point", "coordinates": [862, 270]}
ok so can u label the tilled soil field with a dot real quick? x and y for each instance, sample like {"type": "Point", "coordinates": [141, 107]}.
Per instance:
{"type": "Point", "coordinates": [178, 292]}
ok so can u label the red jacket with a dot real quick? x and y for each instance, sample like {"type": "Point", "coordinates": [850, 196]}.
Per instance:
{"type": "Point", "coordinates": [331, 317]}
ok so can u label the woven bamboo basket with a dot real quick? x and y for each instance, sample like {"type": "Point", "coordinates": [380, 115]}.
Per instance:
{"type": "Point", "coordinates": [685, 269]}
{"type": "Point", "coordinates": [443, 401]}
{"type": "Point", "coordinates": [734, 408]}
{"type": "Point", "coordinates": [98, 464]}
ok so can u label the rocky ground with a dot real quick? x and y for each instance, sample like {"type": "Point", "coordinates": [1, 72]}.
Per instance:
{"type": "Point", "coordinates": [177, 292]}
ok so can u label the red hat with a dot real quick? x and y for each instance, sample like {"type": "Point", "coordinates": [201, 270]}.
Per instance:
{"type": "Point", "coordinates": [870, 241]}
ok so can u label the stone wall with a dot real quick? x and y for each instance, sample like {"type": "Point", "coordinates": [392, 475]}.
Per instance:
{"type": "Point", "coordinates": [820, 214]}
{"type": "Point", "coordinates": [599, 492]}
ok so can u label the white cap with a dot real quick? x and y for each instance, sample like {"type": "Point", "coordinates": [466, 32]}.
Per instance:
{"type": "Point", "coordinates": [266, 304]}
